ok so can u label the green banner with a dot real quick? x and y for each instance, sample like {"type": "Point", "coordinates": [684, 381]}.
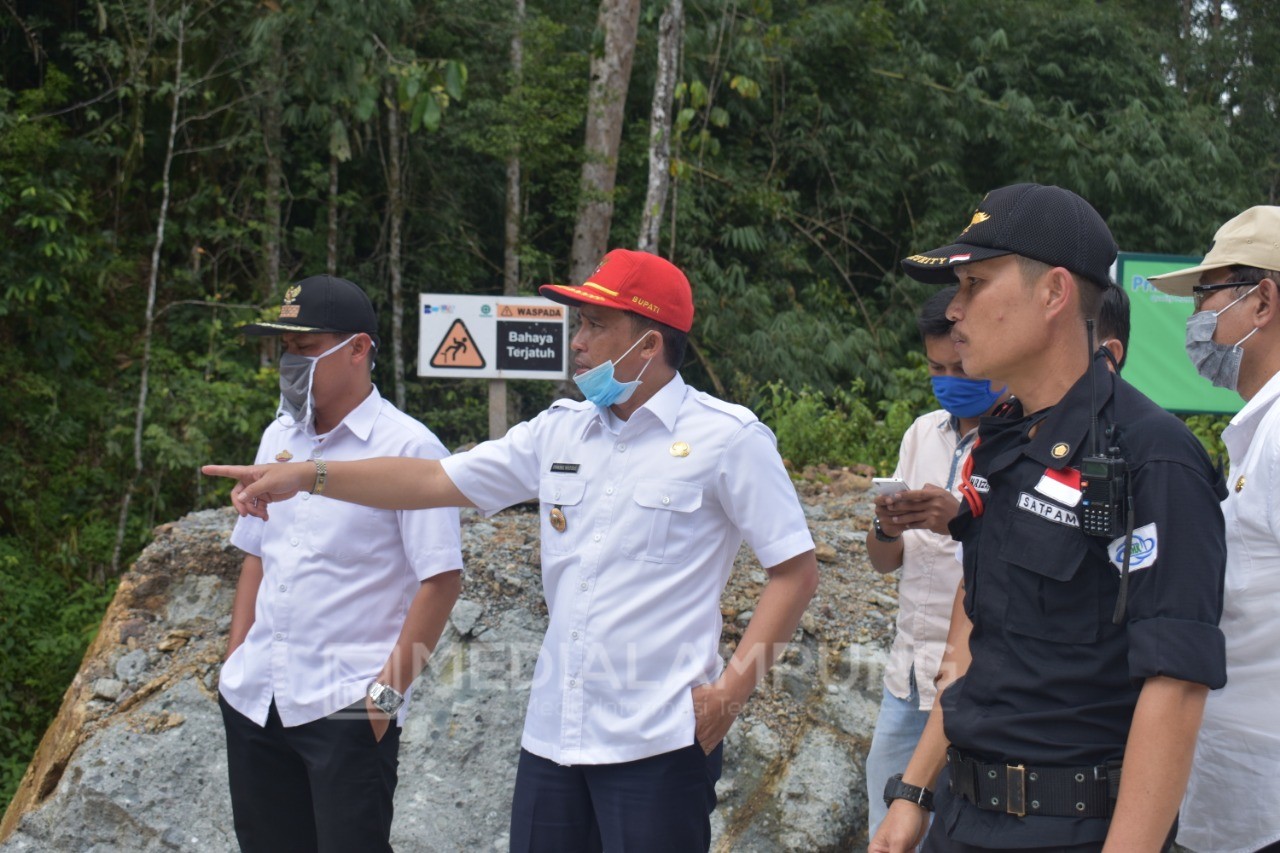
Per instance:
{"type": "Point", "coordinates": [1158, 365]}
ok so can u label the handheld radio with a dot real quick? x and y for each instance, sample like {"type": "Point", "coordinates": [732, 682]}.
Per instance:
{"type": "Point", "coordinates": [1102, 474]}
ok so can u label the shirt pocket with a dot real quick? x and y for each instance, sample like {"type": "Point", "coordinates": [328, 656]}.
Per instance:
{"type": "Point", "coordinates": [565, 493]}
{"type": "Point", "coordinates": [1050, 597]}
{"type": "Point", "coordinates": [662, 529]}
{"type": "Point", "coordinates": [345, 531]}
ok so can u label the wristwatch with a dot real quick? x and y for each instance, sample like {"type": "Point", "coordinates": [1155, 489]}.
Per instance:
{"type": "Point", "coordinates": [896, 789]}
{"type": "Point", "coordinates": [880, 534]}
{"type": "Point", "coordinates": [385, 698]}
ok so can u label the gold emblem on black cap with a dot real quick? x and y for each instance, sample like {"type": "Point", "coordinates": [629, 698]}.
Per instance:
{"type": "Point", "coordinates": [289, 310]}
{"type": "Point", "coordinates": [978, 217]}
{"type": "Point", "coordinates": [1060, 450]}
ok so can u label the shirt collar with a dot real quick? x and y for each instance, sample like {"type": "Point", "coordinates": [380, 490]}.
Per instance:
{"type": "Point", "coordinates": [1239, 433]}
{"type": "Point", "coordinates": [1064, 430]}
{"type": "Point", "coordinates": [360, 420]}
{"type": "Point", "coordinates": [663, 405]}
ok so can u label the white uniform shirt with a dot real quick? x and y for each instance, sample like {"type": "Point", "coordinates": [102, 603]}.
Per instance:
{"type": "Point", "coordinates": [932, 451]}
{"type": "Point", "coordinates": [654, 508]}
{"type": "Point", "coordinates": [337, 578]}
{"type": "Point", "coordinates": [1232, 796]}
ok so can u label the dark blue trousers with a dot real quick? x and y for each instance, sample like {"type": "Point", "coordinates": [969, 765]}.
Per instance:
{"type": "Point", "coordinates": [322, 786]}
{"type": "Point", "coordinates": [660, 804]}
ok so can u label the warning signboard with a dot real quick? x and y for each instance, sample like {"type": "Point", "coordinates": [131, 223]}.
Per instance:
{"type": "Point", "coordinates": [492, 337]}
{"type": "Point", "coordinates": [457, 349]}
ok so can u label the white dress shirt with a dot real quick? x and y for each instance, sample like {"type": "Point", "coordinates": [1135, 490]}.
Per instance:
{"type": "Point", "coordinates": [337, 578]}
{"type": "Point", "coordinates": [654, 509]}
{"type": "Point", "coordinates": [1232, 797]}
{"type": "Point", "coordinates": [932, 451]}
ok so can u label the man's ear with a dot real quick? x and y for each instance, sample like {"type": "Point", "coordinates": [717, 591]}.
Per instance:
{"type": "Point", "coordinates": [1267, 306]}
{"type": "Point", "coordinates": [362, 348]}
{"type": "Point", "coordinates": [1116, 349]}
{"type": "Point", "coordinates": [1057, 286]}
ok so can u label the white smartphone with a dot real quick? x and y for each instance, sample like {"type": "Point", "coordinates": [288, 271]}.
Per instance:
{"type": "Point", "coordinates": [888, 485]}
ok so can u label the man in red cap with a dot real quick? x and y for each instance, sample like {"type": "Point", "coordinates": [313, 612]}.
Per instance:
{"type": "Point", "coordinates": [647, 488]}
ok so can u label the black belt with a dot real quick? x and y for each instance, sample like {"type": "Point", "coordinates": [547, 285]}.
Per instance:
{"type": "Point", "coordinates": [1020, 790]}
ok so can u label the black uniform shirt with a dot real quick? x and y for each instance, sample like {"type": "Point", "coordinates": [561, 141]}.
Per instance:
{"type": "Point", "coordinates": [1053, 681]}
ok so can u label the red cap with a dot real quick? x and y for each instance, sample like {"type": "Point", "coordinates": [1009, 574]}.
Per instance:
{"type": "Point", "coordinates": [638, 282]}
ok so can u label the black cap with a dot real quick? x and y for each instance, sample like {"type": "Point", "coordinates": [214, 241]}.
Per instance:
{"type": "Point", "coordinates": [1047, 224]}
{"type": "Point", "coordinates": [322, 303]}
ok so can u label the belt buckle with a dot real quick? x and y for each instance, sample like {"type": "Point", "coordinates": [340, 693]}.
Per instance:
{"type": "Point", "coordinates": [1016, 790]}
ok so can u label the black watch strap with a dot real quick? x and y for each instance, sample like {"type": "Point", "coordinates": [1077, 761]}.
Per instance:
{"type": "Point", "coordinates": [880, 534]}
{"type": "Point", "coordinates": [896, 789]}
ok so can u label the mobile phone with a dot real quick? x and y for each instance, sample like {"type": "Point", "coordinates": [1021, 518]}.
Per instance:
{"type": "Point", "coordinates": [888, 485]}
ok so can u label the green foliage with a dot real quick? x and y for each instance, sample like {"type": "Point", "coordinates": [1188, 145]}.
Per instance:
{"type": "Point", "coordinates": [45, 625]}
{"type": "Point", "coordinates": [843, 427]}
{"type": "Point", "coordinates": [1208, 428]}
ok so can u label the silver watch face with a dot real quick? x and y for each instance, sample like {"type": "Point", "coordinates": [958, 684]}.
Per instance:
{"type": "Point", "coordinates": [385, 698]}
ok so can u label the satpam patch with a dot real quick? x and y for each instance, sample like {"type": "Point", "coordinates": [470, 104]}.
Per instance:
{"type": "Point", "coordinates": [1143, 551]}
{"type": "Point", "coordinates": [1044, 509]}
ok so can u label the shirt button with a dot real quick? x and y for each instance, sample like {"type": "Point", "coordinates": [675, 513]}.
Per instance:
{"type": "Point", "coordinates": [609, 490]}
{"type": "Point", "coordinates": [582, 585]}
{"type": "Point", "coordinates": [279, 636]}
{"type": "Point", "coordinates": [294, 541]}
{"type": "Point", "coordinates": [595, 538]}
{"type": "Point", "coordinates": [959, 453]}
{"type": "Point", "coordinates": [574, 635]}
{"type": "Point", "coordinates": [622, 447]}
{"type": "Point", "coordinates": [665, 500]}
{"type": "Point", "coordinates": [306, 496]}
{"type": "Point", "coordinates": [315, 454]}
{"type": "Point", "coordinates": [283, 587]}
{"type": "Point", "coordinates": [572, 683]}
{"type": "Point", "coordinates": [557, 494]}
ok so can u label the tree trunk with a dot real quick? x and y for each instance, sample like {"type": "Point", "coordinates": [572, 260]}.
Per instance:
{"type": "Point", "coordinates": [273, 145]}
{"type": "Point", "coordinates": [606, 102]}
{"type": "Point", "coordinates": [139, 421]}
{"type": "Point", "coordinates": [331, 261]}
{"type": "Point", "coordinates": [670, 30]}
{"type": "Point", "coordinates": [395, 203]}
{"type": "Point", "coordinates": [511, 242]}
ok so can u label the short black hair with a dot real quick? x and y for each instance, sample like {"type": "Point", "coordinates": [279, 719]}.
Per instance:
{"type": "Point", "coordinates": [1113, 320]}
{"type": "Point", "coordinates": [674, 341]}
{"type": "Point", "coordinates": [932, 320]}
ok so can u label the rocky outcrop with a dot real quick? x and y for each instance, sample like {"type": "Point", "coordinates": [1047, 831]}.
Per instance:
{"type": "Point", "coordinates": [135, 761]}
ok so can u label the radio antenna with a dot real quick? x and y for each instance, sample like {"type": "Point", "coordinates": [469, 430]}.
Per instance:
{"type": "Point", "coordinates": [1093, 395]}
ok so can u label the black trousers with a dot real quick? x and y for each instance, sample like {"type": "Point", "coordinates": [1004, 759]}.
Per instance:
{"type": "Point", "coordinates": [662, 803]}
{"type": "Point", "coordinates": [322, 786]}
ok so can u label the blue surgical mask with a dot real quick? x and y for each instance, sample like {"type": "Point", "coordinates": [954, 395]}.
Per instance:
{"type": "Point", "coordinates": [296, 373]}
{"type": "Point", "coordinates": [1218, 363]}
{"type": "Point", "coordinates": [599, 386]}
{"type": "Point", "coordinates": [965, 397]}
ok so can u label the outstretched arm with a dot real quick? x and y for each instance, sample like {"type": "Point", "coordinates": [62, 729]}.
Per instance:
{"type": "Point", "coordinates": [390, 482]}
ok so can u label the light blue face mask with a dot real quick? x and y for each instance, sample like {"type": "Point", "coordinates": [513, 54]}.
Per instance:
{"type": "Point", "coordinates": [599, 386]}
{"type": "Point", "coordinates": [1219, 363]}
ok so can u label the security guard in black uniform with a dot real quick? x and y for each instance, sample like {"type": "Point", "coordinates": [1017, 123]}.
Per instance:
{"type": "Point", "coordinates": [1085, 633]}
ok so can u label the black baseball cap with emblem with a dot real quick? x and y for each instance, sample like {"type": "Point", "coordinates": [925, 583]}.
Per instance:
{"type": "Point", "coordinates": [321, 303]}
{"type": "Point", "coordinates": [1047, 224]}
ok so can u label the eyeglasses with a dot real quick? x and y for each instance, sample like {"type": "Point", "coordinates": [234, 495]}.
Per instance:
{"type": "Point", "coordinates": [1200, 292]}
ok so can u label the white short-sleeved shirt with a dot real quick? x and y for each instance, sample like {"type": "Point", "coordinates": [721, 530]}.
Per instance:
{"type": "Point", "coordinates": [1230, 805]}
{"type": "Point", "coordinates": [337, 578]}
{"type": "Point", "coordinates": [932, 451]}
{"type": "Point", "coordinates": [654, 510]}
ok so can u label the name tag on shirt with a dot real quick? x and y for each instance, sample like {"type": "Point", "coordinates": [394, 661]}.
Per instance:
{"type": "Point", "coordinates": [564, 467]}
{"type": "Point", "coordinates": [1061, 486]}
{"type": "Point", "coordinates": [1044, 509]}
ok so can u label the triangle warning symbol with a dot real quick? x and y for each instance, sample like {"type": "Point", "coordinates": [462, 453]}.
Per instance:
{"type": "Point", "coordinates": [458, 349]}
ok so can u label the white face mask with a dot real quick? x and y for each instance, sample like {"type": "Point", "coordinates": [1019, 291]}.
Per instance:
{"type": "Point", "coordinates": [296, 374]}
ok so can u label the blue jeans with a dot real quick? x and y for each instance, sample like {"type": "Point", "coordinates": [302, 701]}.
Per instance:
{"type": "Point", "coordinates": [898, 730]}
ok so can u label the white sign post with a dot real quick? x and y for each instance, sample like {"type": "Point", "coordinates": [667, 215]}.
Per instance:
{"type": "Point", "coordinates": [495, 338]}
